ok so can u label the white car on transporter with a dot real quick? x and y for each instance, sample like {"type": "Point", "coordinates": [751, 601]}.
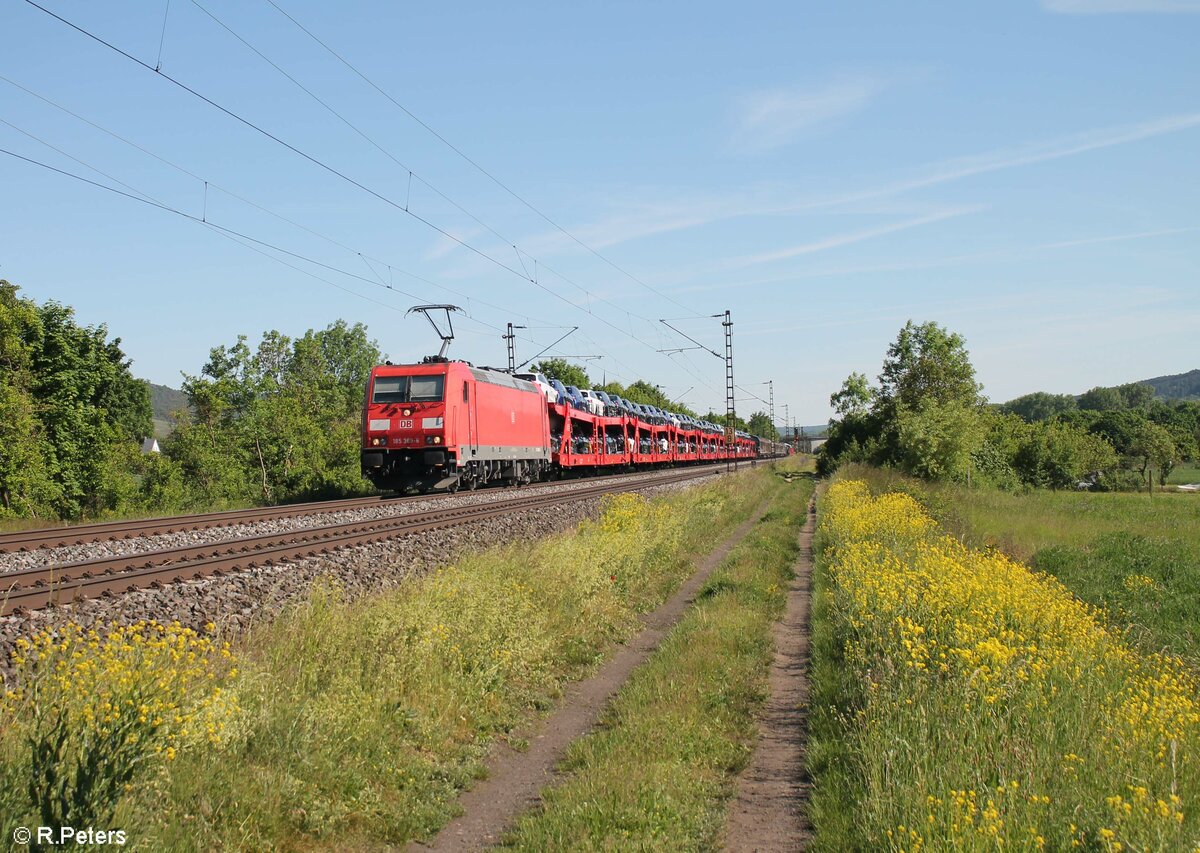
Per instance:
{"type": "Point", "coordinates": [542, 383]}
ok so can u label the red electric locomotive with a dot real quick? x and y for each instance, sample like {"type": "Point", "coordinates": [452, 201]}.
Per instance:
{"type": "Point", "coordinates": [445, 424]}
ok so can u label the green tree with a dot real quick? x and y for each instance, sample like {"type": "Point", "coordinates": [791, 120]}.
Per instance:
{"type": "Point", "coordinates": [1100, 399]}
{"type": "Point", "coordinates": [926, 416]}
{"type": "Point", "coordinates": [26, 487]}
{"type": "Point", "coordinates": [1058, 455]}
{"type": "Point", "coordinates": [927, 364]}
{"type": "Point", "coordinates": [936, 440]}
{"type": "Point", "coordinates": [993, 462]}
{"type": "Point", "coordinates": [854, 397]}
{"type": "Point", "coordinates": [760, 425]}
{"type": "Point", "coordinates": [1136, 395]}
{"type": "Point", "coordinates": [1040, 406]}
{"type": "Point", "coordinates": [278, 422]}
{"type": "Point", "coordinates": [1182, 420]}
{"type": "Point", "coordinates": [67, 398]}
{"type": "Point", "coordinates": [1152, 448]}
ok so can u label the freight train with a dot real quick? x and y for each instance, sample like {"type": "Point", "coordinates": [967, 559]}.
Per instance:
{"type": "Point", "coordinates": [445, 424]}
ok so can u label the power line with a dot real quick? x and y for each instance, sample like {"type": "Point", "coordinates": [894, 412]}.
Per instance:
{"type": "Point", "coordinates": [264, 132]}
{"type": "Point", "coordinates": [312, 159]}
{"type": "Point", "coordinates": [331, 240]}
{"type": "Point", "coordinates": [246, 240]}
{"type": "Point", "coordinates": [469, 160]}
{"type": "Point", "coordinates": [412, 174]}
{"type": "Point", "coordinates": [237, 236]}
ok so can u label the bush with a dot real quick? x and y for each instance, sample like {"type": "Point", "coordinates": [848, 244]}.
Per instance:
{"type": "Point", "coordinates": [93, 713]}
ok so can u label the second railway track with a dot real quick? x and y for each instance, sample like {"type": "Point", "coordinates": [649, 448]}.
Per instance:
{"type": "Point", "coordinates": [30, 589]}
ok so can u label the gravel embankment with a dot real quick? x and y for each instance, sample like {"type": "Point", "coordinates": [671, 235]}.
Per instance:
{"type": "Point", "coordinates": [235, 601]}
{"type": "Point", "coordinates": [140, 544]}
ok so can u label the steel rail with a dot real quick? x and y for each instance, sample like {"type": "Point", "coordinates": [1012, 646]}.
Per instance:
{"type": "Point", "coordinates": [106, 531]}
{"type": "Point", "coordinates": [83, 534]}
{"type": "Point", "coordinates": [29, 589]}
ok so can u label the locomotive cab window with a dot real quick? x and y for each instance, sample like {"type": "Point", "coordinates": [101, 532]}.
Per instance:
{"type": "Point", "coordinates": [426, 389]}
{"type": "Point", "coordinates": [466, 392]}
{"type": "Point", "coordinates": [408, 389]}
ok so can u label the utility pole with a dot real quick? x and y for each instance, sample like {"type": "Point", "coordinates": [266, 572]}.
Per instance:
{"type": "Point", "coordinates": [512, 353]}
{"type": "Point", "coordinates": [730, 405]}
{"type": "Point", "coordinates": [786, 420]}
{"type": "Point", "coordinates": [771, 397]}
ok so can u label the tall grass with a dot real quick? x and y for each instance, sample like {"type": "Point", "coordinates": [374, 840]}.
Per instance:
{"type": "Point", "coordinates": [658, 772]}
{"type": "Point", "coordinates": [980, 705]}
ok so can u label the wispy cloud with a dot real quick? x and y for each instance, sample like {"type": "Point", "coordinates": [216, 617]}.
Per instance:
{"type": "Point", "coordinates": [975, 257]}
{"type": "Point", "coordinates": [1117, 238]}
{"type": "Point", "coordinates": [839, 240]}
{"type": "Point", "coordinates": [1026, 155]}
{"type": "Point", "coordinates": [1107, 7]}
{"type": "Point", "coordinates": [664, 214]}
{"type": "Point", "coordinates": [773, 118]}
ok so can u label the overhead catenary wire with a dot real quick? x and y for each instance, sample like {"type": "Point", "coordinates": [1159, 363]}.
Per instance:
{"type": "Point", "coordinates": [249, 202]}
{"type": "Point", "coordinates": [532, 278]}
{"type": "Point", "coordinates": [250, 242]}
{"type": "Point", "coordinates": [238, 236]}
{"type": "Point", "coordinates": [413, 175]}
{"type": "Point", "coordinates": [317, 162]}
{"type": "Point", "coordinates": [472, 162]}
{"type": "Point", "coordinates": [253, 243]}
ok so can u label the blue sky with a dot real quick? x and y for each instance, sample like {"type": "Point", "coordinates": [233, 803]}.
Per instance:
{"type": "Point", "coordinates": [1024, 173]}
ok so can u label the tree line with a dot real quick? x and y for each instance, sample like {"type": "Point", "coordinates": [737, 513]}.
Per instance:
{"type": "Point", "coordinates": [927, 415]}
{"type": "Point", "coordinates": [273, 422]}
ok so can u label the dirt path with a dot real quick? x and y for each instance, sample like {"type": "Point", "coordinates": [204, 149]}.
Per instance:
{"type": "Point", "coordinates": [516, 778]}
{"type": "Point", "coordinates": [769, 813]}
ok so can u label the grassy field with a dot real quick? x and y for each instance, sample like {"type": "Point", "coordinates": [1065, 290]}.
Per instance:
{"type": "Point", "coordinates": [344, 725]}
{"type": "Point", "coordinates": [658, 772]}
{"type": "Point", "coordinates": [1184, 474]}
{"type": "Point", "coordinates": [965, 702]}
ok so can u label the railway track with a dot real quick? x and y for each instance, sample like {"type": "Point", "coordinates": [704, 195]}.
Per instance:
{"type": "Point", "coordinates": [84, 534]}
{"type": "Point", "coordinates": [30, 589]}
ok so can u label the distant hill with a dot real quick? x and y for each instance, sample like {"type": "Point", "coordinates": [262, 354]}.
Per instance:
{"type": "Point", "coordinates": [1180, 386]}
{"type": "Point", "coordinates": [165, 402]}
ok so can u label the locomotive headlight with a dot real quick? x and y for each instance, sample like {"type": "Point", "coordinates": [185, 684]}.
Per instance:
{"type": "Point", "coordinates": [437, 439]}
{"type": "Point", "coordinates": [408, 413]}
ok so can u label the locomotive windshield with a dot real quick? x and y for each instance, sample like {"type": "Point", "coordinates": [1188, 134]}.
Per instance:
{"type": "Point", "coordinates": [409, 389]}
